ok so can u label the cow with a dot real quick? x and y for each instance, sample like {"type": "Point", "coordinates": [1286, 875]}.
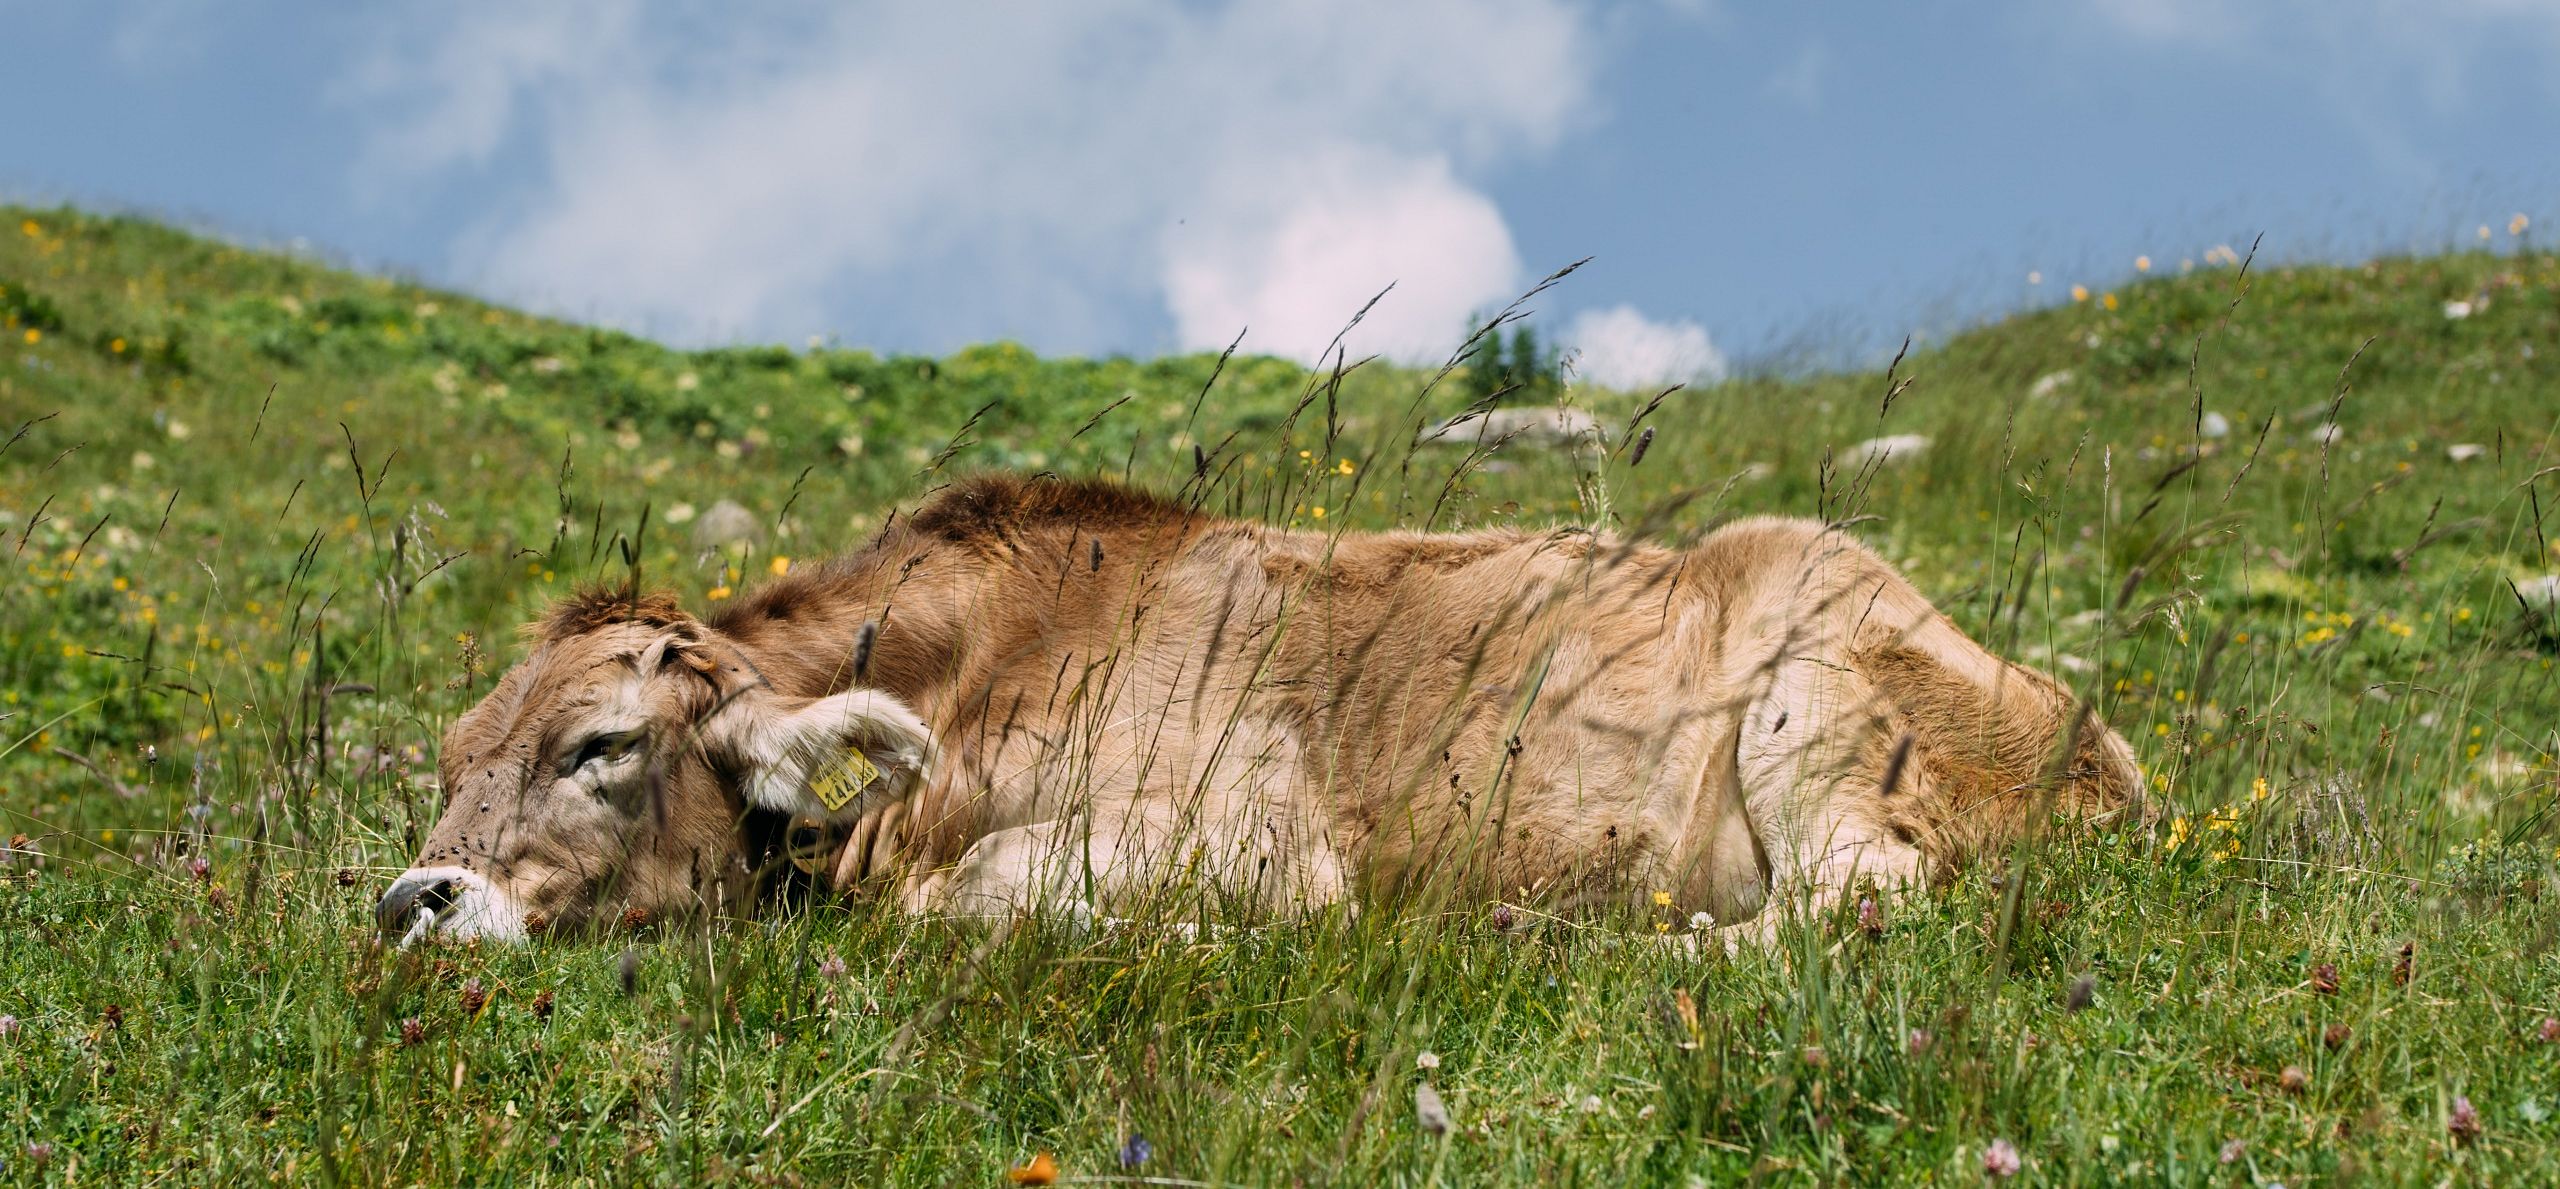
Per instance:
{"type": "Point", "coordinates": [1046, 695]}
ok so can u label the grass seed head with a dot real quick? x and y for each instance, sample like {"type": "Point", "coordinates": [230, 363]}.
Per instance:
{"type": "Point", "coordinates": [1429, 1113]}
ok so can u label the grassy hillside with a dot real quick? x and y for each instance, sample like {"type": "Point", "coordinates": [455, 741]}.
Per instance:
{"type": "Point", "coordinates": [269, 525]}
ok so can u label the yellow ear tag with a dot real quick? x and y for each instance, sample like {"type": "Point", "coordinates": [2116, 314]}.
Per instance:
{"type": "Point", "coordinates": [840, 782]}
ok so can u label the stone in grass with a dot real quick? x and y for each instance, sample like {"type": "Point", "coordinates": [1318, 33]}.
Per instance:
{"type": "Point", "coordinates": [1901, 447]}
{"type": "Point", "coordinates": [726, 523]}
{"type": "Point", "coordinates": [2542, 594]}
{"type": "Point", "coordinates": [1551, 426]}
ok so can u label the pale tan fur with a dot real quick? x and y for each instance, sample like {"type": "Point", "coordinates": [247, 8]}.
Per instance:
{"type": "Point", "coordinates": [1127, 698]}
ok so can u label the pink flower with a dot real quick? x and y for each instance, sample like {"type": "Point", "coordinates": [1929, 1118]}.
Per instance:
{"type": "Point", "coordinates": [2464, 1122]}
{"type": "Point", "coordinates": [832, 967]}
{"type": "Point", "coordinates": [2000, 1159]}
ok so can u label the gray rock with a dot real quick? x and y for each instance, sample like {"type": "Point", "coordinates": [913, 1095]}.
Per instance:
{"type": "Point", "coordinates": [1901, 447]}
{"type": "Point", "coordinates": [1549, 426]}
{"type": "Point", "coordinates": [725, 524]}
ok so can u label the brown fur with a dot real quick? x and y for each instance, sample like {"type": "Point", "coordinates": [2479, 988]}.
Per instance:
{"type": "Point", "coordinates": [1126, 693]}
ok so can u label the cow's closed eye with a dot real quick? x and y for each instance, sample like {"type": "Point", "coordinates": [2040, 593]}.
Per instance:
{"type": "Point", "coordinates": [605, 748]}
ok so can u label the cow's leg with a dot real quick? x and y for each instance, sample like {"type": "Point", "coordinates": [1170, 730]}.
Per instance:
{"type": "Point", "coordinates": [874, 848]}
{"type": "Point", "coordinates": [1056, 866]}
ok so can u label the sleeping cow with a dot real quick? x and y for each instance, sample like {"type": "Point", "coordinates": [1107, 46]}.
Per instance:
{"type": "Point", "coordinates": [1046, 695]}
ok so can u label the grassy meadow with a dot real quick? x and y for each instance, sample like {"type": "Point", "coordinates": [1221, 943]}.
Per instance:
{"type": "Point", "coordinates": [268, 526]}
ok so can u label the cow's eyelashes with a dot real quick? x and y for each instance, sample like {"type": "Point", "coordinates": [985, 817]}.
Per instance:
{"type": "Point", "coordinates": [607, 747]}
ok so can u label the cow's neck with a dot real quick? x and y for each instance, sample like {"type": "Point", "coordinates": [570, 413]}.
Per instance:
{"type": "Point", "coordinates": [805, 632]}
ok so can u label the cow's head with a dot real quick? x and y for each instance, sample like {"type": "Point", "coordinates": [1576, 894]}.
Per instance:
{"type": "Point", "coordinates": [610, 776]}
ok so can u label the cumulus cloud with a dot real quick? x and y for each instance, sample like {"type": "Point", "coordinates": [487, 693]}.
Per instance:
{"type": "Point", "coordinates": [1297, 264]}
{"type": "Point", "coordinates": [1623, 349]}
{"type": "Point", "coordinates": [1100, 174]}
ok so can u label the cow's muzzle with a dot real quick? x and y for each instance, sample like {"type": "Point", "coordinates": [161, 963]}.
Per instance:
{"type": "Point", "coordinates": [455, 901]}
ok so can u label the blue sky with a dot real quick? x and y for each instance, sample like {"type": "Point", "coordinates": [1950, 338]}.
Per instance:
{"type": "Point", "coordinates": [1756, 182]}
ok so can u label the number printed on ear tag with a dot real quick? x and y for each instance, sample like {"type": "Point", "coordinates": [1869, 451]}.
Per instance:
{"type": "Point", "coordinates": [840, 782]}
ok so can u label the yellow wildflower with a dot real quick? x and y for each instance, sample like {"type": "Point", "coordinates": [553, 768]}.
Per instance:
{"type": "Point", "coordinates": [1662, 899]}
{"type": "Point", "coordinates": [2079, 293]}
{"type": "Point", "coordinates": [781, 565]}
{"type": "Point", "coordinates": [717, 593]}
{"type": "Point", "coordinates": [2258, 789]}
{"type": "Point", "coordinates": [2108, 301]}
{"type": "Point", "coordinates": [2177, 834]}
{"type": "Point", "coordinates": [2142, 264]}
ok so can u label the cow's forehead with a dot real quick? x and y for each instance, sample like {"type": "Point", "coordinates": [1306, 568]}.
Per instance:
{"type": "Point", "coordinates": [564, 675]}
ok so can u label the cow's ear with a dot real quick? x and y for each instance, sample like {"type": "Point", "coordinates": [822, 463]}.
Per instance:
{"type": "Point", "coordinates": [831, 758]}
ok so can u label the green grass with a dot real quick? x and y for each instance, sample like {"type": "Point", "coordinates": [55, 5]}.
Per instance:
{"type": "Point", "coordinates": [255, 487]}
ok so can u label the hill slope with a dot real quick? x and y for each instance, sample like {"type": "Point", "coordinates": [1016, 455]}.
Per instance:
{"type": "Point", "coordinates": [241, 480]}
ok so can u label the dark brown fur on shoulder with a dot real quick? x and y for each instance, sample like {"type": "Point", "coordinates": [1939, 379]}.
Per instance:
{"type": "Point", "coordinates": [990, 510]}
{"type": "Point", "coordinates": [600, 606]}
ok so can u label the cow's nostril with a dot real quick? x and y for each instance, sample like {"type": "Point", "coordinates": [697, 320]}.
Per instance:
{"type": "Point", "coordinates": [439, 896]}
{"type": "Point", "coordinates": [411, 893]}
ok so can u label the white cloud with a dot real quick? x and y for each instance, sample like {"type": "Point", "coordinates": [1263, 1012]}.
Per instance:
{"type": "Point", "coordinates": [934, 174]}
{"type": "Point", "coordinates": [1621, 348]}
{"type": "Point", "coordinates": [1337, 232]}
{"type": "Point", "coordinates": [1801, 80]}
